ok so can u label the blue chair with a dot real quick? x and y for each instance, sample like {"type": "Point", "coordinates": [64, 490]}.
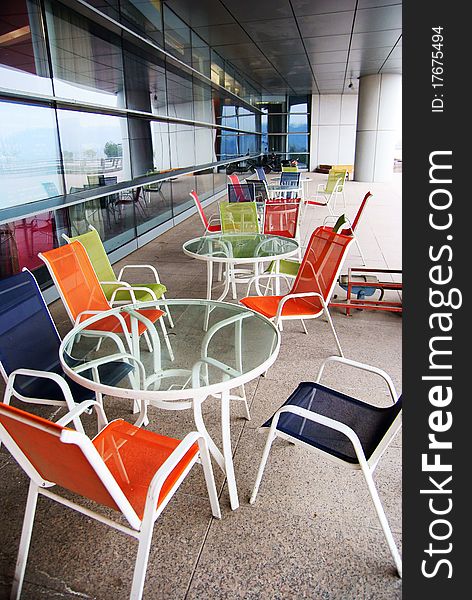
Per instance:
{"type": "Point", "coordinates": [29, 351]}
{"type": "Point", "coordinates": [261, 173]}
{"type": "Point", "coordinates": [347, 431]}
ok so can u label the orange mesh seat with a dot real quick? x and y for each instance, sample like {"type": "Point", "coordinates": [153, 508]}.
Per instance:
{"type": "Point", "coordinates": [312, 289]}
{"type": "Point", "coordinates": [80, 289]}
{"type": "Point", "coordinates": [128, 469]}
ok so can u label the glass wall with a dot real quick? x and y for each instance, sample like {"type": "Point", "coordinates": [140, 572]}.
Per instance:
{"type": "Point", "coordinates": [108, 114]}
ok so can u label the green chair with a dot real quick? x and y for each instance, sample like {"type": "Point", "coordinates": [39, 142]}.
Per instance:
{"type": "Point", "coordinates": [329, 192]}
{"type": "Point", "coordinates": [116, 290]}
{"type": "Point", "coordinates": [239, 217]}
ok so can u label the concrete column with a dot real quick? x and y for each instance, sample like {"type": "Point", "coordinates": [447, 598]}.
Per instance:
{"type": "Point", "coordinates": [378, 117]}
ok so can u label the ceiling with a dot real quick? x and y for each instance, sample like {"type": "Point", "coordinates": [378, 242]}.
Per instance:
{"type": "Point", "coordinates": [301, 46]}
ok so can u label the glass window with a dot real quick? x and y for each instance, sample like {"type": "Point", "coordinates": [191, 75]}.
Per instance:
{"type": "Point", "coordinates": [181, 188]}
{"type": "Point", "coordinates": [204, 183]}
{"type": "Point", "coordinates": [217, 68]}
{"type": "Point", "coordinates": [144, 18]}
{"type": "Point", "coordinates": [141, 146]}
{"type": "Point", "coordinates": [95, 149]}
{"type": "Point", "coordinates": [30, 167]}
{"type": "Point", "coordinates": [179, 95]}
{"type": "Point", "coordinates": [156, 206]}
{"type": "Point", "coordinates": [145, 83]}
{"type": "Point", "coordinates": [86, 59]}
{"type": "Point", "coordinates": [202, 105]}
{"type": "Point", "coordinates": [23, 57]}
{"type": "Point", "coordinates": [160, 146]}
{"type": "Point", "coordinates": [204, 145]}
{"type": "Point", "coordinates": [247, 119]}
{"type": "Point", "coordinates": [200, 55]}
{"type": "Point", "coordinates": [177, 37]}
{"type": "Point", "coordinates": [182, 145]}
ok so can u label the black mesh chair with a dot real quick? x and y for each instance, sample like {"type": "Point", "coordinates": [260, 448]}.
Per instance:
{"type": "Point", "coordinates": [350, 432]}
{"type": "Point", "coordinates": [29, 351]}
{"type": "Point", "coordinates": [240, 192]}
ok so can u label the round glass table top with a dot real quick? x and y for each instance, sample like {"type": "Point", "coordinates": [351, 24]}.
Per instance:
{"type": "Point", "coordinates": [237, 346]}
{"type": "Point", "coordinates": [240, 247]}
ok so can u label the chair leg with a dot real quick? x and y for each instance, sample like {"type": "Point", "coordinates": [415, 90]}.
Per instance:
{"type": "Point", "coordinates": [169, 316]}
{"type": "Point", "coordinates": [209, 478]}
{"type": "Point", "coordinates": [166, 338]}
{"type": "Point", "coordinates": [360, 250]}
{"type": "Point", "coordinates": [24, 541]}
{"type": "Point", "coordinates": [142, 558]}
{"type": "Point", "coordinates": [383, 519]}
{"type": "Point", "coordinates": [330, 321]}
{"type": "Point", "coordinates": [265, 455]}
{"type": "Point", "coordinates": [304, 327]}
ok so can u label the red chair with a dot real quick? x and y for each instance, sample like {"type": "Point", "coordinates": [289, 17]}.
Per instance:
{"type": "Point", "coordinates": [311, 291]}
{"type": "Point", "coordinates": [282, 218]}
{"type": "Point", "coordinates": [133, 471]}
{"type": "Point", "coordinates": [207, 224]}
{"type": "Point", "coordinates": [351, 230]}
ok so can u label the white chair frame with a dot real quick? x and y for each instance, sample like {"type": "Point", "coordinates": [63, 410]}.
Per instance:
{"type": "Point", "coordinates": [140, 529]}
{"type": "Point", "coordinates": [366, 466]}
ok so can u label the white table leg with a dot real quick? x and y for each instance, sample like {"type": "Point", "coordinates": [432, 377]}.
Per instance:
{"type": "Point", "coordinates": [227, 451]}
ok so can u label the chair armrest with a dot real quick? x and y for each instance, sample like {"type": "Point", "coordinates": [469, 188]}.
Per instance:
{"type": "Point", "coordinates": [150, 267]}
{"type": "Point", "coordinates": [131, 289]}
{"type": "Point", "coordinates": [102, 420]}
{"type": "Point", "coordinates": [166, 469]}
{"type": "Point", "coordinates": [327, 422]}
{"type": "Point", "coordinates": [265, 276]}
{"type": "Point", "coordinates": [358, 365]}
{"type": "Point", "coordinates": [97, 362]}
{"type": "Point", "coordinates": [61, 382]}
{"type": "Point", "coordinates": [291, 296]}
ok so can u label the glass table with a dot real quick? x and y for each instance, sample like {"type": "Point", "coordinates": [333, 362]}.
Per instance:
{"type": "Point", "coordinates": [238, 346]}
{"type": "Point", "coordinates": [235, 248]}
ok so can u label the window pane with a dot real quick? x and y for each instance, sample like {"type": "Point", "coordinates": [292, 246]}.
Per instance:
{"type": "Point", "coordinates": [177, 37]}
{"type": "Point", "coordinates": [179, 95]}
{"type": "Point", "coordinates": [200, 55]}
{"type": "Point", "coordinates": [182, 145]}
{"type": "Point", "coordinates": [204, 184]}
{"type": "Point", "coordinates": [29, 154]}
{"type": "Point", "coordinates": [156, 206]}
{"type": "Point", "coordinates": [87, 60]}
{"type": "Point", "coordinates": [145, 83]}
{"type": "Point", "coordinates": [23, 58]}
{"type": "Point", "coordinates": [143, 17]}
{"type": "Point", "coordinates": [203, 107]}
{"type": "Point", "coordinates": [95, 149]}
{"type": "Point", "coordinates": [160, 146]}
{"type": "Point", "coordinates": [204, 145]}
{"type": "Point", "coordinates": [181, 189]}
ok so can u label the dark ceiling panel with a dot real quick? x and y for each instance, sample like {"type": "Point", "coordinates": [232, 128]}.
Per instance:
{"type": "Point", "coordinates": [375, 39]}
{"type": "Point", "coordinates": [378, 19]}
{"type": "Point", "coordinates": [272, 29]}
{"type": "Point", "coordinates": [217, 35]}
{"type": "Point", "coordinates": [318, 7]}
{"type": "Point", "coordinates": [320, 58]}
{"type": "Point", "coordinates": [250, 10]}
{"type": "Point", "coordinates": [369, 54]}
{"type": "Point", "coordinates": [232, 51]}
{"type": "Point", "coordinates": [200, 13]}
{"type": "Point", "coordinates": [285, 46]}
{"type": "Point", "coordinates": [327, 43]}
{"type": "Point", "coordinates": [253, 62]}
{"type": "Point", "coordinates": [327, 24]}
{"type": "Point", "coordinates": [286, 63]}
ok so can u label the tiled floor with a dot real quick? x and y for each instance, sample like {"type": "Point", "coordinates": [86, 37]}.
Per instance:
{"type": "Point", "coordinates": [312, 533]}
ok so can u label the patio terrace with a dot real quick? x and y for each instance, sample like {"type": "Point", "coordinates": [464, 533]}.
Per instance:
{"type": "Point", "coordinates": [312, 533]}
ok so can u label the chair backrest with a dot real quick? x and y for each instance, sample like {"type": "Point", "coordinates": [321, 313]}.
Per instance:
{"type": "Point", "coordinates": [281, 218]}
{"type": "Point", "coordinates": [96, 252]}
{"type": "Point", "coordinates": [51, 453]}
{"type": "Point", "coordinates": [75, 279]}
{"type": "Point", "coordinates": [336, 179]}
{"type": "Point", "coordinates": [290, 179]}
{"type": "Point", "coordinates": [239, 217]}
{"type": "Point", "coordinates": [358, 216]}
{"type": "Point", "coordinates": [193, 194]}
{"type": "Point", "coordinates": [321, 264]}
{"type": "Point", "coordinates": [241, 192]}
{"type": "Point", "coordinates": [28, 336]}
{"type": "Point", "coordinates": [261, 192]}
{"type": "Point", "coordinates": [289, 169]}
{"type": "Point", "coordinates": [261, 173]}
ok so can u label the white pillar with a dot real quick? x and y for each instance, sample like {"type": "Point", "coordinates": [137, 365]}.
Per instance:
{"type": "Point", "coordinates": [378, 117]}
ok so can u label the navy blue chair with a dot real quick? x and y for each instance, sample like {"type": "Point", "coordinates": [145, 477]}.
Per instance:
{"type": "Point", "coordinates": [29, 351]}
{"type": "Point", "coordinates": [343, 429]}
{"type": "Point", "coordinates": [261, 173]}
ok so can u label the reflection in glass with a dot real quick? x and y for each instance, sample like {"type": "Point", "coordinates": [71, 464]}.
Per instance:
{"type": "Point", "coordinates": [95, 149]}
{"type": "Point", "coordinates": [182, 145]}
{"type": "Point", "coordinates": [144, 18]}
{"type": "Point", "coordinates": [145, 82]}
{"type": "Point", "coordinates": [204, 181]}
{"type": "Point", "coordinates": [29, 154]}
{"type": "Point", "coordinates": [157, 206]}
{"type": "Point", "coordinates": [177, 36]}
{"type": "Point", "coordinates": [181, 188]}
{"type": "Point", "coordinates": [204, 145]}
{"type": "Point", "coordinates": [160, 146]}
{"type": "Point", "coordinates": [179, 96]}
{"type": "Point", "coordinates": [86, 59]}
{"type": "Point", "coordinates": [23, 57]}
{"type": "Point", "coordinates": [200, 55]}
{"type": "Point", "coordinates": [202, 104]}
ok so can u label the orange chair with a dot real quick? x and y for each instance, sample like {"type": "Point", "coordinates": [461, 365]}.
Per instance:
{"type": "Point", "coordinates": [131, 470]}
{"type": "Point", "coordinates": [282, 218]}
{"type": "Point", "coordinates": [209, 227]}
{"type": "Point", "coordinates": [83, 296]}
{"type": "Point", "coordinates": [312, 289]}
